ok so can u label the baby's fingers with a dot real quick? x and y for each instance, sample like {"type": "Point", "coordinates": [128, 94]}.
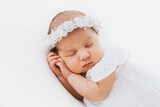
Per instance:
{"type": "Point", "coordinates": [55, 69]}
{"type": "Point", "coordinates": [64, 70]}
{"type": "Point", "coordinates": [51, 54]}
{"type": "Point", "coordinates": [61, 64]}
{"type": "Point", "coordinates": [53, 64]}
{"type": "Point", "coordinates": [52, 58]}
{"type": "Point", "coordinates": [62, 67]}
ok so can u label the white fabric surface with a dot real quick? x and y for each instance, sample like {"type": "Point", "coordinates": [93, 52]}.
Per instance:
{"type": "Point", "coordinates": [25, 77]}
{"type": "Point", "coordinates": [133, 86]}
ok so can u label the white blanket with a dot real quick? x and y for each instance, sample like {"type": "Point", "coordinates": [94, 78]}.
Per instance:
{"type": "Point", "coordinates": [25, 77]}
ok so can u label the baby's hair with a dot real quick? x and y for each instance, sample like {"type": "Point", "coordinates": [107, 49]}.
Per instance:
{"type": "Point", "coordinates": [61, 18]}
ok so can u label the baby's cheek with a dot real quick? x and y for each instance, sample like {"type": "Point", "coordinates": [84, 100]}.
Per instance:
{"type": "Point", "coordinates": [73, 66]}
{"type": "Point", "coordinates": [97, 52]}
{"type": "Point", "coordinates": [70, 64]}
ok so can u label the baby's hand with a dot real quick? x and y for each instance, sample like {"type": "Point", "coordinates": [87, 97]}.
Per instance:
{"type": "Point", "coordinates": [52, 59]}
{"type": "Point", "coordinates": [64, 70]}
{"type": "Point", "coordinates": [57, 65]}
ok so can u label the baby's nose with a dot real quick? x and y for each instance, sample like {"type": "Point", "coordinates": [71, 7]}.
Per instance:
{"type": "Point", "coordinates": [84, 54]}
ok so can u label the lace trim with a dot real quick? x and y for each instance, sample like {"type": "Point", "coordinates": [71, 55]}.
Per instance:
{"type": "Point", "coordinates": [112, 58]}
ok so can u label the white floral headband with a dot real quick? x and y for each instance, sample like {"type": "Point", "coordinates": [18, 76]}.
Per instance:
{"type": "Point", "coordinates": [68, 26]}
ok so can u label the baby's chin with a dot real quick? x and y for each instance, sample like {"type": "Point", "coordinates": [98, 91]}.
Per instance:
{"type": "Point", "coordinates": [90, 67]}
{"type": "Point", "coordinates": [94, 63]}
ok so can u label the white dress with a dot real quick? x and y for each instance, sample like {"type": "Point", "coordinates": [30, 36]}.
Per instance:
{"type": "Point", "coordinates": [132, 86]}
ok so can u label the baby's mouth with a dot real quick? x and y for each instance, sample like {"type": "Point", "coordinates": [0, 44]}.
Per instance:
{"type": "Point", "coordinates": [88, 64]}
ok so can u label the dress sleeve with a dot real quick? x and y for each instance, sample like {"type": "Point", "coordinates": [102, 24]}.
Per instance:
{"type": "Point", "coordinates": [112, 57]}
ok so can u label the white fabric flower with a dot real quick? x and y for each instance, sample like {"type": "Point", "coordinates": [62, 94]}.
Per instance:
{"type": "Point", "coordinates": [68, 26]}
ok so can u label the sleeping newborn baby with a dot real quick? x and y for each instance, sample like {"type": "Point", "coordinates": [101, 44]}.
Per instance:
{"type": "Point", "coordinates": [99, 75]}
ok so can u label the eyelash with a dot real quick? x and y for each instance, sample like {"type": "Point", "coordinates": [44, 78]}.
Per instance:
{"type": "Point", "coordinates": [89, 45]}
{"type": "Point", "coordinates": [72, 54]}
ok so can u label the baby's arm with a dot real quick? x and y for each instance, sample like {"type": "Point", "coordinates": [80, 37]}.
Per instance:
{"type": "Point", "coordinates": [88, 89]}
{"type": "Point", "coordinates": [68, 87]}
{"type": "Point", "coordinates": [52, 60]}
{"type": "Point", "coordinates": [91, 90]}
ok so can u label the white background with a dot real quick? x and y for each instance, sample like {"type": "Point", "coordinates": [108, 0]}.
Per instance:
{"type": "Point", "coordinates": [26, 80]}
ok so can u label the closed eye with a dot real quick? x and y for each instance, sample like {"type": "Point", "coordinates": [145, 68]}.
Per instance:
{"type": "Point", "coordinates": [72, 54]}
{"type": "Point", "coordinates": [89, 45]}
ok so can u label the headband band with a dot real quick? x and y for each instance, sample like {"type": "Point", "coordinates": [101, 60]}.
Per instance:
{"type": "Point", "coordinates": [68, 26]}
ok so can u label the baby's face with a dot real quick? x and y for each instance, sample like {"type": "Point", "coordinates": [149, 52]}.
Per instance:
{"type": "Point", "coordinates": [80, 50]}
